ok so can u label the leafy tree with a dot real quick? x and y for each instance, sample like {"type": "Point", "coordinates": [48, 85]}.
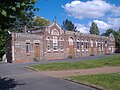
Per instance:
{"type": "Point", "coordinates": [10, 12]}
{"type": "Point", "coordinates": [12, 9]}
{"type": "Point", "coordinates": [39, 21]}
{"type": "Point", "coordinates": [116, 34]}
{"type": "Point", "coordinates": [109, 31]}
{"type": "Point", "coordinates": [68, 25]}
{"type": "Point", "coordinates": [94, 29]}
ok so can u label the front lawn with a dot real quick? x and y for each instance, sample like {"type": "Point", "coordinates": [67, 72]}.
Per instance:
{"type": "Point", "coordinates": [85, 64]}
{"type": "Point", "coordinates": [106, 81]}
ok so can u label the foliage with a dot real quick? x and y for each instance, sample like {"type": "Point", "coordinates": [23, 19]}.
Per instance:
{"type": "Point", "coordinates": [116, 34]}
{"type": "Point", "coordinates": [104, 81]}
{"type": "Point", "coordinates": [107, 61]}
{"type": "Point", "coordinates": [39, 21]}
{"type": "Point", "coordinates": [68, 25]}
{"type": "Point", "coordinates": [94, 29]}
{"type": "Point", "coordinates": [12, 9]}
{"type": "Point", "coordinates": [3, 37]}
{"type": "Point", "coordinates": [11, 12]}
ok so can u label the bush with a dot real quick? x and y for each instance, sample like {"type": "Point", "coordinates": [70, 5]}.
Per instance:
{"type": "Point", "coordinates": [91, 54]}
{"type": "Point", "coordinates": [70, 57]}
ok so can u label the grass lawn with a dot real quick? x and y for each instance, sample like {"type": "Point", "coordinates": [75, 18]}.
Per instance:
{"type": "Point", "coordinates": [85, 64]}
{"type": "Point", "coordinates": [107, 81]}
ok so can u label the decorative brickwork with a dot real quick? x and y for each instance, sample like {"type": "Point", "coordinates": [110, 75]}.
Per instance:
{"type": "Point", "coordinates": [51, 42]}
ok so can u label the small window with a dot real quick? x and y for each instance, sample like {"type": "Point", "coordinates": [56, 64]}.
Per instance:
{"type": "Point", "coordinates": [78, 44]}
{"type": "Point", "coordinates": [82, 45]}
{"type": "Point", "coordinates": [86, 45]}
{"type": "Point", "coordinates": [61, 45]}
{"type": "Point", "coordinates": [48, 43]}
{"type": "Point", "coordinates": [27, 47]}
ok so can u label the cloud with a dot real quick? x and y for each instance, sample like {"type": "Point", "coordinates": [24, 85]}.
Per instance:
{"type": "Point", "coordinates": [90, 9]}
{"type": "Point", "coordinates": [111, 23]}
{"type": "Point", "coordinates": [102, 25]}
{"type": "Point", "coordinates": [81, 28]}
{"type": "Point", "coordinates": [114, 22]}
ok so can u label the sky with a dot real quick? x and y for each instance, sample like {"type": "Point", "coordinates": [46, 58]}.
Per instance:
{"type": "Point", "coordinates": [105, 13]}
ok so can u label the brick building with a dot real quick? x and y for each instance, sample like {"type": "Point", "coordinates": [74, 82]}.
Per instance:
{"type": "Point", "coordinates": [51, 42]}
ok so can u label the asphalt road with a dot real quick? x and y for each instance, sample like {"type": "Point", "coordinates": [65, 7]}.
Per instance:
{"type": "Point", "coordinates": [16, 77]}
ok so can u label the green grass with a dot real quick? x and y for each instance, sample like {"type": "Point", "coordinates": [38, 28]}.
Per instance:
{"type": "Point", "coordinates": [107, 81]}
{"type": "Point", "coordinates": [85, 64]}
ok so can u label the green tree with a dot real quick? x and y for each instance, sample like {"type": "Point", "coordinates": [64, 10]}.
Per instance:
{"type": "Point", "coordinates": [116, 34]}
{"type": "Point", "coordinates": [10, 12]}
{"type": "Point", "coordinates": [39, 21]}
{"type": "Point", "coordinates": [94, 29]}
{"type": "Point", "coordinates": [109, 31]}
{"type": "Point", "coordinates": [68, 25]}
{"type": "Point", "coordinates": [12, 9]}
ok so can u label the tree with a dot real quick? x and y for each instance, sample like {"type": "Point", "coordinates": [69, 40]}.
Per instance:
{"type": "Point", "coordinates": [68, 25]}
{"type": "Point", "coordinates": [116, 34]}
{"type": "Point", "coordinates": [94, 29]}
{"type": "Point", "coordinates": [10, 12]}
{"type": "Point", "coordinates": [109, 31]}
{"type": "Point", "coordinates": [39, 21]}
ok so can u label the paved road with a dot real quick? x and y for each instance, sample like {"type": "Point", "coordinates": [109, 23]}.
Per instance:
{"type": "Point", "coordinates": [16, 77]}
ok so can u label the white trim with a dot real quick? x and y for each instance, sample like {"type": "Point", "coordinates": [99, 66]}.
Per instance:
{"type": "Point", "coordinates": [36, 41]}
{"type": "Point", "coordinates": [53, 31]}
{"type": "Point", "coordinates": [54, 23]}
{"type": "Point", "coordinates": [13, 54]}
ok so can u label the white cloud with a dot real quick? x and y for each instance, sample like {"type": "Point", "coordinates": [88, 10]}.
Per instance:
{"type": "Point", "coordinates": [102, 25]}
{"type": "Point", "coordinates": [114, 22]}
{"type": "Point", "coordinates": [111, 23]}
{"type": "Point", "coordinates": [81, 28]}
{"type": "Point", "coordinates": [90, 9]}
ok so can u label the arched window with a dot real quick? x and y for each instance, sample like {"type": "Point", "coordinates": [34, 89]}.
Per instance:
{"type": "Point", "coordinates": [55, 32]}
{"type": "Point", "coordinates": [96, 43]}
{"type": "Point", "coordinates": [70, 41]}
{"type": "Point", "coordinates": [78, 44]}
{"type": "Point", "coordinates": [82, 44]}
{"type": "Point", "coordinates": [86, 45]}
{"type": "Point", "coordinates": [28, 46]}
{"type": "Point", "coordinates": [91, 42]}
{"type": "Point", "coordinates": [55, 43]}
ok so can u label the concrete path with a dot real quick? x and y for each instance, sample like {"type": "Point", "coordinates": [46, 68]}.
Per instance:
{"type": "Point", "coordinates": [67, 73]}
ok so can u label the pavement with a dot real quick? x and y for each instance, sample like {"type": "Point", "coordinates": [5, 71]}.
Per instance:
{"type": "Point", "coordinates": [68, 73]}
{"type": "Point", "coordinates": [16, 77]}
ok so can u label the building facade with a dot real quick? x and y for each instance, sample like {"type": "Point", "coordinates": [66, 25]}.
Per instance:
{"type": "Point", "coordinates": [51, 42]}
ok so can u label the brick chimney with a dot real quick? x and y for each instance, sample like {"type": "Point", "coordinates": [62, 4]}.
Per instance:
{"type": "Point", "coordinates": [24, 29]}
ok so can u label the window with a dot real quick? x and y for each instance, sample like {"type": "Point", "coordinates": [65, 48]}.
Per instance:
{"type": "Point", "coordinates": [55, 43]}
{"type": "Point", "coordinates": [99, 46]}
{"type": "Point", "coordinates": [91, 42]}
{"type": "Point", "coordinates": [70, 41]}
{"type": "Point", "coordinates": [82, 45]}
{"type": "Point", "coordinates": [105, 43]}
{"type": "Point", "coordinates": [48, 43]}
{"type": "Point", "coordinates": [61, 43]}
{"type": "Point", "coordinates": [86, 45]}
{"type": "Point", "coordinates": [78, 44]}
{"type": "Point", "coordinates": [96, 43]}
{"type": "Point", "coordinates": [27, 47]}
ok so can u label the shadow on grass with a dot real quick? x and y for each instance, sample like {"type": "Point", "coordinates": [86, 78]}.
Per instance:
{"type": "Point", "coordinates": [8, 83]}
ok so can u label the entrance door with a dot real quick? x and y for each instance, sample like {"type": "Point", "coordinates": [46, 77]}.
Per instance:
{"type": "Point", "coordinates": [71, 47]}
{"type": "Point", "coordinates": [71, 50]}
{"type": "Point", "coordinates": [37, 51]}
